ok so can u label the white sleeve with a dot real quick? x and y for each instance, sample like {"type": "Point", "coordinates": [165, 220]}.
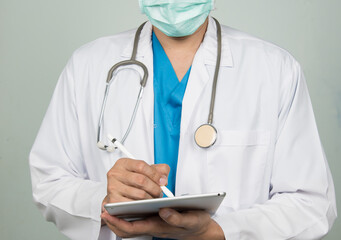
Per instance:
{"type": "Point", "coordinates": [301, 201]}
{"type": "Point", "coordinates": [61, 187]}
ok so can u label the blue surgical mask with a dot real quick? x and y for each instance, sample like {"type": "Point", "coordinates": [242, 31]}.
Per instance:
{"type": "Point", "coordinates": [177, 18]}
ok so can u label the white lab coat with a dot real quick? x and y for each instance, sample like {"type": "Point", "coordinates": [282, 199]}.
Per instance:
{"type": "Point", "coordinates": [268, 156]}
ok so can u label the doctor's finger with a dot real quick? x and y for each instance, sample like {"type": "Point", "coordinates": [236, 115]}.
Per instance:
{"type": "Point", "coordinates": [118, 177]}
{"type": "Point", "coordinates": [114, 225]}
{"type": "Point", "coordinates": [116, 192]}
{"type": "Point", "coordinates": [189, 220]}
{"type": "Point", "coordinates": [163, 169]}
{"type": "Point", "coordinates": [117, 198]}
{"type": "Point", "coordinates": [134, 193]}
{"type": "Point", "coordinates": [142, 182]}
{"type": "Point", "coordinates": [144, 168]}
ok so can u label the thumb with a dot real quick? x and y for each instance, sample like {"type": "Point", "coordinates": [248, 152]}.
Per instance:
{"type": "Point", "coordinates": [162, 169]}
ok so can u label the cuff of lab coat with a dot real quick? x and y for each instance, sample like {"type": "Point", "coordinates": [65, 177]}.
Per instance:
{"type": "Point", "coordinates": [228, 226]}
{"type": "Point", "coordinates": [96, 208]}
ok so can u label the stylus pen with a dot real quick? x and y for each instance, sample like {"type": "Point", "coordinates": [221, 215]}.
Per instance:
{"type": "Point", "coordinates": [120, 146]}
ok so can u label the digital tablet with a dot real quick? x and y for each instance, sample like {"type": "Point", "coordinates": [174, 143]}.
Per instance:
{"type": "Point", "coordinates": [141, 209]}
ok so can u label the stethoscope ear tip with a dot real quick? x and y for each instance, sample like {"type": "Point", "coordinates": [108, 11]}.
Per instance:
{"type": "Point", "coordinates": [101, 145]}
{"type": "Point", "coordinates": [111, 149]}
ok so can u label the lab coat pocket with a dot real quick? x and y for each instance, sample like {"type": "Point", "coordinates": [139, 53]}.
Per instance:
{"type": "Point", "coordinates": [237, 165]}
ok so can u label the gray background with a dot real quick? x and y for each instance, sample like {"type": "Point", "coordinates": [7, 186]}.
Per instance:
{"type": "Point", "coordinates": [38, 36]}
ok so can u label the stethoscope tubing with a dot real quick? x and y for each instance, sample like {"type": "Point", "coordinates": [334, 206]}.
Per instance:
{"type": "Point", "coordinates": [143, 83]}
{"type": "Point", "coordinates": [216, 73]}
{"type": "Point", "coordinates": [131, 123]}
{"type": "Point", "coordinates": [126, 63]}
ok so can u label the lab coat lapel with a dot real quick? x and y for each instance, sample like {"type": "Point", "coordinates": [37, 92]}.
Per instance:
{"type": "Point", "coordinates": [196, 84]}
{"type": "Point", "coordinates": [206, 56]}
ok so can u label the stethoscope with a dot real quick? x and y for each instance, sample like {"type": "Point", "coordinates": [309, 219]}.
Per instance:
{"type": "Point", "coordinates": [205, 136]}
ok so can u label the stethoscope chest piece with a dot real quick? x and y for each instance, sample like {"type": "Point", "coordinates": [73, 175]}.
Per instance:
{"type": "Point", "coordinates": [205, 136]}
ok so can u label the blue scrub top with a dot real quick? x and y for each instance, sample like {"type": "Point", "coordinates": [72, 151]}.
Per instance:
{"type": "Point", "coordinates": [168, 95]}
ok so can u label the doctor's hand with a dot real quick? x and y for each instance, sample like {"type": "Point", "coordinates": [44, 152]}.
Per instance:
{"type": "Point", "coordinates": [131, 179]}
{"type": "Point", "coordinates": [169, 224]}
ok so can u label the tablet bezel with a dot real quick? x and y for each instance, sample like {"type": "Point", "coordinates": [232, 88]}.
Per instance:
{"type": "Point", "coordinates": [141, 209]}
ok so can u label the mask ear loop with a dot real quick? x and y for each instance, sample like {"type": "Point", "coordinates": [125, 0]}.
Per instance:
{"type": "Point", "coordinates": [206, 135]}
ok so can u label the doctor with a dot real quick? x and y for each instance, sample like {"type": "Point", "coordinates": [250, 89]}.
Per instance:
{"type": "Point", "coordinates": [267, 155]}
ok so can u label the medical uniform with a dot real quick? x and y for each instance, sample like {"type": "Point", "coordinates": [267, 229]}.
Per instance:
{"type": "Point", "coordinates": [168, 96]}
{"type": "Point", "coordinates": [268, 156]}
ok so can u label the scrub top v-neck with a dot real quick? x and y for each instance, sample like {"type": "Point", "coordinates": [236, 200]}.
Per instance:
{"type": "Point", "coordinates": [168, 96]}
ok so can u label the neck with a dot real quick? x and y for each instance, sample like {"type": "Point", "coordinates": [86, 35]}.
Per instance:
{"type": "Point", "coordinates": [187, 43]}
{"type": "Point", "coordinates": [181, 50]}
